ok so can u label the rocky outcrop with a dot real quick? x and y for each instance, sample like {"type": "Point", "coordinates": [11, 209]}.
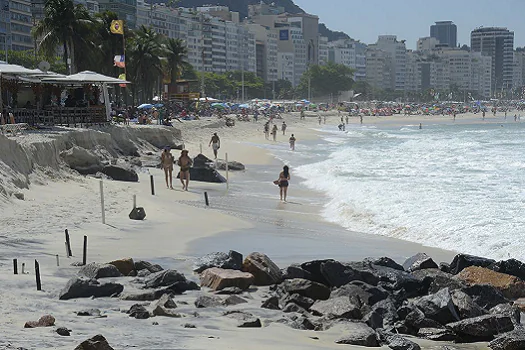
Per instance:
{"type": "Point", "coordinates": [232, 260]}
{"type": "Point", "coordinates": [120, 173]}
{"type": "Point", "coordinates": [216, 279]}
{"type": "Point", "coordinates": [98, 342]}
{"type": "Point", "coordinates": [481, 328]}
{"type": "Point", "coordinates": [510, 286]}
{"type": "Point", "coordinates": [263, 269]}
{"type": "Point", "coordinates": [85, 288]}
{"type": "Point", "coordinates": [95, 270]}
{"type": "Point", "coordinates": [462, 261]}
{"type": "Point", "coordinates": [44, 321]}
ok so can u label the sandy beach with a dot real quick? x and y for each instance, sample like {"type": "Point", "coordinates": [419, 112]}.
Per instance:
{"type": "Point", "coordinates": [247, 216]}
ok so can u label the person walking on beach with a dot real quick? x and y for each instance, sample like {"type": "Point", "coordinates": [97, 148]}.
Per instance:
{"type": "Point", "coordinates": [292, 142]}
{"type": "Point", "coordinates": [283, 127]}
{"type": "Point", "coordinates": [166, 161]}
{"type": "Point", "coordinates": [324, 119]}
{"type": "Point", "coordinates": [346, 119]}
{"type": "Point", "coordinates": [185, 163]}
{"type": "Point", "coordinates": [283, 182]}
{"type": "Point", "coordinates": [267, 130]}
{"type": "Point", "coordinates": [274, 132]}
{"type": "Point", "coordinates": [215, 142]}
{"type": "Point", "coordinates": [302, 114]}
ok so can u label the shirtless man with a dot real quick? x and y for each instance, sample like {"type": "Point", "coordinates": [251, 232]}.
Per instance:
{"type": "Point", "coordinates": [215, 142]}
{"type": "Point", "coordinates": [166, 160]}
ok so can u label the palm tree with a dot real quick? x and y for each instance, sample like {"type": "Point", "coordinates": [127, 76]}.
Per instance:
{"type": "Point", "coordinates": [64, 24]}
{"type": "Point", "coordinates": [175, 53]}
{"type": "Point", "coordinates": [145, 66]}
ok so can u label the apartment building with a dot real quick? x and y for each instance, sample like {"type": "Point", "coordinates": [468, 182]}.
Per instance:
{"type": "Point", "coordinates": [351, 53]}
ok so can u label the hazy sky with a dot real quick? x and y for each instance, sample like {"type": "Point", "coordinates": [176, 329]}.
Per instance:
{"type": "Point", "coordinates": [411, 19]}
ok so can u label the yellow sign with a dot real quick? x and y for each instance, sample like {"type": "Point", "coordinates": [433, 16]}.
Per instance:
{"type": "Point", "coordinates": [117, 27]}
{"type": "Point", "coordinates": [122, 76]}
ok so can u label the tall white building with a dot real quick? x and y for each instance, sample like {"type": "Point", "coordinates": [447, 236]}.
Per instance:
{"type": "Point", "coordinates": [323, 50]}
{"type": "Point", "coordinates": [378, 68]}
{"type": "Point", "coordinates": [350, 53]}
{"type": "Point", "coordinates": [396, 58]}
{"type": "Point", "coordinates": [266, 51]}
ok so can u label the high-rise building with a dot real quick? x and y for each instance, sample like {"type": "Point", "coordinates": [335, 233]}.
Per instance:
{"type": "Point", "coordinates": [351, 53]}
{"type": "Point", "coordinates": [498, 43]}
{"type": "Point", "coordinates": [266, 51]}
{"type": "Point", "coordinates": [446, 32]}
{"type": "Point", "coordinates": [378, 67]}
{"type": "Point", "coordinates": [125, 9]}
{"type": "Point", "coordinates": [397, 56]}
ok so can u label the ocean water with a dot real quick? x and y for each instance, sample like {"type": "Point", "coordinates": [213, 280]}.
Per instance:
{"type": "Point", "coordinates": [456, 187]}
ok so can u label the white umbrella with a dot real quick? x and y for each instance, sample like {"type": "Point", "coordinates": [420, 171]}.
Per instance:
{"type": "Point", "coordinates": [87, 77]}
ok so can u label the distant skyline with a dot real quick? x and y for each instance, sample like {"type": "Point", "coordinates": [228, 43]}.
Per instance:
{"type": "Point", "coordinates": [410, 20]}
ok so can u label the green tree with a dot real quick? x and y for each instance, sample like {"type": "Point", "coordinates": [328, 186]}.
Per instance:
{"type": "Point", "coordinates": [331, 78]}
{"type": "Point", "coordinates": [64, 24]}
{"type": "Point", "coordinates": [175, 52]}
{"type": "Point", "coordinates": [284, 89]}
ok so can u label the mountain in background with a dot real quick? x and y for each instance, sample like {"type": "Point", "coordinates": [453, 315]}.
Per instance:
{"type": "Point", "coordinates": [241, 6]}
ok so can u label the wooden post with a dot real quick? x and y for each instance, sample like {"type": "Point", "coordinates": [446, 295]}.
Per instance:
{"type": "Point", "coordinates": [152, 185]}
{"type": "Point", "coordinates": [23, 268]}
{"type": "Point", "coordinates": [84, 256]}
{"type": "Point", "coordinates": [68, 245]}
{"type": "Point", "coordinates": [206, 199]}
{"type": "Point", "coordinates": [58, 262]}
{"type": "Point", "coordinates": [15, 266]}
{"type": "Point", "coordinates": [134, 201]}
{"type": "Point", "coordinates": [227, 175]}
{"type": "Point", "coordinates": [67, 253]}
{"type": "Point", "coordinates": [102, 202]}
{"type": "Point", "coordinates": [37, 273]}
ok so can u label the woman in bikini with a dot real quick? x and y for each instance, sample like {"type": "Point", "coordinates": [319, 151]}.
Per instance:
{"type": "Point", "coordinates": [185, 163]}
{"type": "Point", "coordinates": [167, 160]}
{"type": "Point", "coordinates": [283, 182]}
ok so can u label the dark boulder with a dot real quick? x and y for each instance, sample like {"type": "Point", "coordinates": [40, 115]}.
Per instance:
{"type": "Point", "coordinates": [176, 288]}
{"type": "Point", "coordinates": [445, 267]}
{"type": "Point", "coordinates": [139, 312]}
{"type": "Point", "coordinates": [361, 293]}
{"type": "Point", "coordinates": [271, 303]}
{"type": "Point", "coordinates": [204, 301]}
{"type": "Point", "coordinates": [510, 267]}
{"type": "Point", "coordinates": [293, 307]}
{"type": "Point", "coordinates": [232, 165]}
{"type": "Point", "coordinates": [436, 334]}
{"type": "Point", "coordinates": [298, 299]}
{"type": "Point", "coordinates": [233, 300]}
{"type": "Point", "coordinates": [164, 278]}
{"type": "Point", "coordinates": [396, 342]}
{"type": "Point", "coordinates": [438, 307]}
{"type": "Point", "coordinates": [98, 342]}
{"type": "Point", "coordinates": [141, 265]}
{"type": "Point", "coordinates": [201, 161]}
{"type": "Point", "coordinates": [384, 261]}
{"type": "Point", "coordinates": [462, 261]}
{"type": "Point", "coordinates": [95, 270]}
{"type": "Point", "coordinates": [359, 334]}
{"type": "Point", "coordinates": [485, 296]}
{"type": "Point", "coordinates": [413, 319]}
{"type": "Point", "coordinates": [508, 310]}
{"type": "Point", "coordinates": [119, 173]}
{"type": "Point", "coordinates": [232, 260]}
{"type": "Point", "coordinates": [339, 307]}
{"type": "Point", "coordinates": [306, 288]}
{"type": "Point", "coordinates": [244, 319]}
{"type": "Point", "coordinates": [263, 269]}
{"type": "Point", "coordinates": [63, 331]}
{"type": "Point", "coordinates": [205, 174]}
{"type": "Point", "coordinates": [314, 269]}
{"type": "Point", "coordinates": [419, 261]}
{"type": "Point", "coordinates": [230, 291]}
{"type": "Point", "coordinates": [465, 306]}
{"type": "Point", "coordinates": [513, 340]}
{"type": "Point", "coordinates": [295, 271]}
{"type": "Point", "coordinates": [85, 288]}
{"type": "Point", "coordinates": [383, 314]}
{"type": "Point", "coordinates": [437, 280]}
{"type": "Point", "coordinates": [337, 274]}
{"type": "Point", "coordinates": [137, 213]}
{"type": "Point", "coordinates": [482, 328]}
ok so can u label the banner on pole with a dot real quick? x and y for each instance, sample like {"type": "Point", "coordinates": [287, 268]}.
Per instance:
{"type": "Point", "coordinates": [117, 27]}
{"type": "Point", "coordinates": [120, 61]}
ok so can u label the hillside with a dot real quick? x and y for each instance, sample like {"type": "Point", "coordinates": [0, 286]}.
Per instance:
{"type": "Point", "coordinates": [241, 6]}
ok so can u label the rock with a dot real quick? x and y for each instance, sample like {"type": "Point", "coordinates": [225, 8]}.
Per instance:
{"type": "Point", "coordinates": [445, 267]}
{"type": "Point", "coordinates": [361, 293]}
{"type": "Point", "coordinates": [481, 328]}
{"type": "Point", "coordinates": [338, 307]}
{"type": "Point", "coordinates": [95, 270]}
{"type": "Point", "coordinates": [292, 307]}
{"type": "Point", "coordinates": [98, 342]}
{"type": "Point", "coordinates": [167, 302]}
{"type": "Point", "coordinates": [465, 306]}
{"type": "Point", "coordinates": [462, 261]}
{"type": "Point", "coordinates": [189, 325]}
{"type": "Point", "coordinates": [437, 280]}
{"type": "Point", "coordinates": [204, 301]}
{"type": "Point", "coordinates": [139, 312]}
{"type": "Point", "coordinates": [164, 278]}
{"type": "Point", "coordinates": [508, 310]}
{"type": "Point", "coordinates": [63, 331]}
{"type": "Point", "coordinates": [234, 300]}
{"type": "Point", "coordinates": [44, 321]}
{"type": "Point", "coordinates": [263, 269]}
{"type": "Point", "coordinates": [384, 261]}
{"type": "Point", "coordinates": [419, 261]}
{"type": "Point", "coordinates": [306, 288]}
{"type": "Point", "coordinates": [201, 161]}
{"type": "Point", "coordinates": [510, 286]}
{"type": "Point", "coordinates": [414, 319]}
{"type": "Point", "coordinates": [383, 314]}
{"type": "Point", "coordinates": [513, 340]}
{"type": "Point", "coordinates": [216, 279]}
{"type": "Point", "coordinates": [233, 165]}
{"type": "Point", "coordinates": [295, 271]}
{"type": "Point", "coordinates": [438, 307]}
{"type": "Point", "coordinates": [298, 299]}
{"type": "Point", "coordinates": [89, 312]}
{"type": "Point", "coordinates": [120, 173]}
{"type": "Point", "coordinates": [160, 310]}
{"type": "Point", "coordinates": [229, 290]}
{"type": "Point", "coordinates": [397, 342]}
{"type": "Point", "coordinates": [205, 174]}
{"type": "Point", "coordinates": [81, 160]}
{"type": "Point", "coordinates": [510, 267]}
{"type": "Point", "coordinates": [143, 273]}
{"type": "Point", "coordinates": [271, 303]}
{"type": "Point", "coordinates": [84, 288]}
{"type": "Point", "coordinates": [19, 196]}
{"type": "Point", "coordinates": [436, 334]}
{"type": "Point", "coordinates": [232, 261]}
{"type": "Point", "coordinates": [246, 320]}
{"type": "Point", "coordinates": [337, 274]}
{"type": "Point", "coordinates": [175, 288]}
{"type": "Point", "coordinates": [314, 269]}
{"type": "Point", "coordinates": [484, 295]}
{"type": "Point", "coordinates": [396, 280]}
{"type": "Point", "coordinates": [141, 265]}
{"type": "Point", "coordinates": [361, 335]}
{"type": "Point", "coordinates": [137, 213]}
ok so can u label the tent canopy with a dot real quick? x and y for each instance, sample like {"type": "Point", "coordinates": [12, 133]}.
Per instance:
{"type": "Point", "coordinates": [85, 77]}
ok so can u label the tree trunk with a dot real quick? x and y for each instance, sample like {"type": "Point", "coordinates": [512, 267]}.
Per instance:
{"type": "Point", "coordinates": [72, 54]}
{"type": "Point", "coordinates": [66, 56]}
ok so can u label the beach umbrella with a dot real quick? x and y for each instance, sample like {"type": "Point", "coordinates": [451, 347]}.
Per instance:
{"type": "Point", "coordinates": [244, 105]}
{"type": "Point", "coordinates": [158, 105]}
{"type": "Point", "coordinates": [145, 106]}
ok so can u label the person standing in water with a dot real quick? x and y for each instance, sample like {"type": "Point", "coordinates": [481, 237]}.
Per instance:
{"type": "Point", "coordinates": [283, 182]}
{"type": "Point", "coordinates": [166, 161]}
{"type": "Point", "coordinates": [185, 163]}
{"type": "Point", "coordinates": [292, 142]}
{"type": "Point", "coordinates": [216, 143]}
